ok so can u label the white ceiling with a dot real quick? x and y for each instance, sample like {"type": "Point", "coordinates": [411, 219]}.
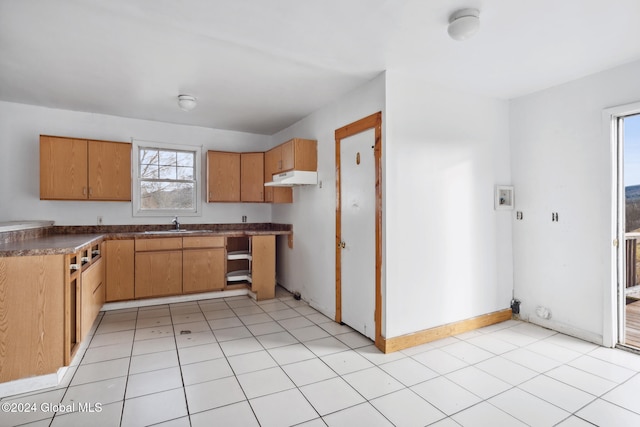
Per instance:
{"type": "Point", "coordinates": [259, 66]}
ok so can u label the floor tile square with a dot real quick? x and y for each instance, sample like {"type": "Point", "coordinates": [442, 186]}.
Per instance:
{"type": "Point", "coordinates": [191, 328]}
{"type": "Point", "coordinates": [446, 395]}
{"type": "Point", "coordinates": [571, 343]}
{"type": "Point", "coordinates": [478, 382]}
{"type": "Point", "coordinates": [467, 352]}
{"type": "Point", "coordinates": [291, 354]}
{"type": "Point", "coordinates": [198, 338]}
{"type": "Point", "coordinates": [109, 415]}
{"type": "Point", "coordinates": [491, 344]}
{"type": "Point", "coordinates": [331, 395]}
{"type": "Point", "coordinates": [112, 338]}
{"type": "Point", "coordinates": [248, 310]}
{"type": "Point", "coordinates": [188, 317]}
{"type": "Point", "coordinates": [225, 322]}
{"type": "Point", "coordinates": [235, 415]}
{"type": "Point", "coordinates": [286, 408]}
{"type": "Point", "coordinates": [153, 311]}
{"type": "Point", "coordinates": [240, 302]}
{"type": "Point", "coordinates": [154, 408]}
{"type": "Point", "coordinates": [335, 328]}
{"type": "Point", "coordinates": [346, 362]}
{"type": "Point", "coordinates": [603, 413]}
{"type": "Point", "coordinates": [153, 346]}
{"type": "Point", "coordinates": [560, 394]}
{"type": "Point", "coordinates": [124, 325]}
{"type": "Point", "coordinates": [626, 395]}
{"type": "Point", "coordinates": [405, 408]}
{"type": "Point", "coordinates": [585, 381]}
{"type": "Point", "coordinates": [104, 392]}
{"type": "Point", "coordinates": [308, 371]}
{"type": "Point", "coordinates": [375, 356]}
{"type": "Point", "coordinates": [528, 408]}
{"type": "Point", "coordinates": [107, 352]}
{"type": "Point", "coordinates": [253, 319]}
{"type": "Point", "coordinates": [250, 362]}
{"type": "Point", "coordinates": [288, 313]}
{"type": "Point", "coordinates": [308, 333]}
{"type": "Point", "coordinates": [154, 332]}
{"type": "Point", "coordinates": [267, 381]}
{"type": "Point", "coordinates": [278, 339]}
{"type": "Point", "coordinates": [101, 371]}
{"type": "Point", "coordinates": [294, 322]}
{"type": "Point", "coordinates": [603, 369]}
{"type": "Point", "coordinates": [617, 357]}
{"type": "Point", "coordinates": [553, 351]}
{"type": "Point", "coordinates": [532, 360]}
{"type": "Point", "coordinates": [363, 414]}
{"type": "Point", "coordinates": [408, 371]}
{"type": "Point", "coordinates": [271, 306]}
{"type": "Point", "coordinates": [213, 394]}
{"type": "Point", "coordinates": [240, 346]}
{"type": "Point", "coordinates": [266, 328]}
{"type": "Point", "coordinates": [206, 371]}
{"type": "Point", "coordinates": [354, 339]}
{"type": "Point", "coordinates": [153, 361]}
{"type": "Point", "coordinates": [574, 421]}
{"type": "Point", "coordinates": [154, 381]}
{"type": "Point", "coordinates": [373, 382]}
{"type": "Point", "coordinates": [506, 370]}
{"type": "Point", "coordinates": [219, 314]}
{"type": "Point", "coordinates": [230, 334]}
{"type": "Point", "coordinates": [200, 353]}
{"type": "Point", "coordinates": [485, 414]}
{"type": "Point", "coordinates": [153, 322]}
{"type": "Point", "coordinates": [440, 361]}
{"type": "Point", "coordinates": [325, 346]}
{"type": "Point", "coordinates": [318, 318]}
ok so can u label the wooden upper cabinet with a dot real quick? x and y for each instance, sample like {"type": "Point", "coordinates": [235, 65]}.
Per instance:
{"type": "Point", "coordinates": [299, 154]}
{"type": "Point", "coordinates": [63, 168]}
{"type": "Point", "coordinates": [78, 169]}
{"type": "Point", "coordinates": [223, 176]}
{"type": "Point", "coordinates": [109, 170]}
{"type": "Point", "coordinates": [252, 177]}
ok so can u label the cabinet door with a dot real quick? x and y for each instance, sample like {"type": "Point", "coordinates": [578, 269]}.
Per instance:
{"type": "Point", "coordinates": [119, 270]}
{"type": "Point", "coordinates": [288, 156]}
{"type": "Point", "coordinates": [109, 170]}
{"type": "Point", "coordinates": [158, 274]}
{"type": "Point", "coordinates": [92, 296]}
{"type": "Point", "coordinates": [305, 154]}
{"type": "Point", "coordinates": [252, 177]}
{"type": "Point", "coordinates": [223, 176]}
{"type": "Point", "coordinates": [263, 266]}
{"type": "Point", "coordinates": [203, 270]}
{"type": "Point", "coordinates": [63, 168]}
{"type": "Point", "coordinates": [273, 165]}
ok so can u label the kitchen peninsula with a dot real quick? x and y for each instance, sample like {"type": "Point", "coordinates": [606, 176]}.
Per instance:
{"type": "Point", "coordinates": [54, 280]}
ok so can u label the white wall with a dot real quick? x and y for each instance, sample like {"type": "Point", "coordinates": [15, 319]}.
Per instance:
{"type": "Point", "coordinates": [448, 252]}
{"type": "Point", "coordinates": [21, 125]}
{"type": "Point", "coordinates": [562, 163]}
{"type": "Point", "coordinates": [310, 266]}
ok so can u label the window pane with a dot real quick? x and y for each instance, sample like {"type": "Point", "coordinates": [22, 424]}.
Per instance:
{"type": "Point", "coordinates": [185, 173]}
{"type": "Point", "coordinates": [168, 158]}
{"type": "Point", "coordinates": [164, 195]}
{"type": "Point", "coordinates": [185, 159]}
{"type": "Point", "coordinates": [167, 172]}
{"type": "Point", "coordinates": [148, 156]}
{"type": "Point", "coordinates": [148, 171]}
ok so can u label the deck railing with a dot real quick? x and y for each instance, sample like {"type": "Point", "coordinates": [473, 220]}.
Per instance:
{"type": "Point", "coordinates": [630, 251]}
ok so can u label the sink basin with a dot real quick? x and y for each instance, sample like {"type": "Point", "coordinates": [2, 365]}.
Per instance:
{"type": "Point", "coordinates": [178, 231]}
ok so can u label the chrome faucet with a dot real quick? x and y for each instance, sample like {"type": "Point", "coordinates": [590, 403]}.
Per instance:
{"type": "Point", "coordinates": [175, 222]}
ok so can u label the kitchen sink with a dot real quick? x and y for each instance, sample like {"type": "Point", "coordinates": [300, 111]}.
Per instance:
{"type": "Point", "coordinates": [178, 231]}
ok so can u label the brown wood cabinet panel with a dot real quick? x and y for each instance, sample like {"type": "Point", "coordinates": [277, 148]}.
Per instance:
{"type": "Point", "coordinates": [203, 242]}
{"type": "Point", "coordinates": [158, 244]}
{"type": "Point", "coordinates": [263, 266]}
{"type": "Point", "coordinates": [92, 295]}
{"type": "Point", "coordinates": [252, 177]}
{"type": "Point", "coordinates": [120, 273]}
{"type": "Point", "coordinates": [273, 165]}
{"type": "Point", "coordinates": [109, 171]}
{"type": "Point", "coordinates": [63, 168]}
{"type": "Point", "coordinates": [287, 153]}
{"type": "Point", "coordinates": [305, 153]}
{"type": "Point", "coordinates": [32, 310]}
{"type": "Point", "coordinates": [223, 176]}
{"type": "Point", "coordinates": [158, 273]}
{"type": "Point", "coordinates": [203, 270]}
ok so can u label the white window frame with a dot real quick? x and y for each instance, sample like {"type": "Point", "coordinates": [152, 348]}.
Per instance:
{"type": "Point", "coordinates": [137, 211]}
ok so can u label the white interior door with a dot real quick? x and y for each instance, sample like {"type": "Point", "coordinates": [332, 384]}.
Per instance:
{"type": "Point", "coordinates": [358, 256]}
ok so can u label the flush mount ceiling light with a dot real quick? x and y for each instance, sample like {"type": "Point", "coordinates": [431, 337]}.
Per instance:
{"type": "Point", "coordinates": [463, 24]}
{"type": "Point", "coordinates": [186, 102]}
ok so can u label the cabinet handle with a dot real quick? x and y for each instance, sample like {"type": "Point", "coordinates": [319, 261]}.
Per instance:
{"type": "Point", "coordinates": [84, 191]}
{"type": "Point", "coordinates": [90, 191]}
{"type": "Point", "coordinates": [279, 165]}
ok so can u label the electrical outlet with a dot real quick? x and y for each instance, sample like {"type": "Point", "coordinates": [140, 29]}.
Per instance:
{"type": "Point", "coordinates": [99, 219]}
{"type": "Point", "coordinates": [244, 218]}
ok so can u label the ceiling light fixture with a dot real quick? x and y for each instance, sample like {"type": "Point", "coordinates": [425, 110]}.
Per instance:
{"type": "Point", "coordinates": [186, 102]}
{"type": "Point", "coordinates": [463, 24]}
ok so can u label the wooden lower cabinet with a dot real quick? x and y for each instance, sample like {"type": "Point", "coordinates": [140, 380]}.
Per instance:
{"type": "Point", "coordinates": [158, 273]}
{"type": "Point", "coordinates": [263, 266]}
{"type": "Point", "coordinates": [120, 272]}
{"type": "Point", "coordinates": [32, 310]}
{"type": "Point", "coordinates": [203, 270]}
{"type": "Point", "coordinates": [92, 295]}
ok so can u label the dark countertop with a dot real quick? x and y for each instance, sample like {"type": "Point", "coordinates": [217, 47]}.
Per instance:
{"type": "Point", "coordinates": [67, 240]}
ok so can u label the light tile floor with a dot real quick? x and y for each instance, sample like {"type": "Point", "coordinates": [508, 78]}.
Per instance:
{"type": "Point", "coordinates": [237, 362]}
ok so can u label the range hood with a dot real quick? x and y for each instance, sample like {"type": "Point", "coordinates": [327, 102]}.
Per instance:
{"type": "Point", "coordinates": [291, 178]}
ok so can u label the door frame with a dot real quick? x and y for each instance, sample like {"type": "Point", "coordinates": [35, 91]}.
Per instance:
{"type": "Point", "coordinates": [373, 121]}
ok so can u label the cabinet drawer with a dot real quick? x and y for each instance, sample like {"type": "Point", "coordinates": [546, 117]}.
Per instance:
{"type": "Point", "coordinates": [158, 244]}
{"type": "Point", "coordinates": [203, 242]}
